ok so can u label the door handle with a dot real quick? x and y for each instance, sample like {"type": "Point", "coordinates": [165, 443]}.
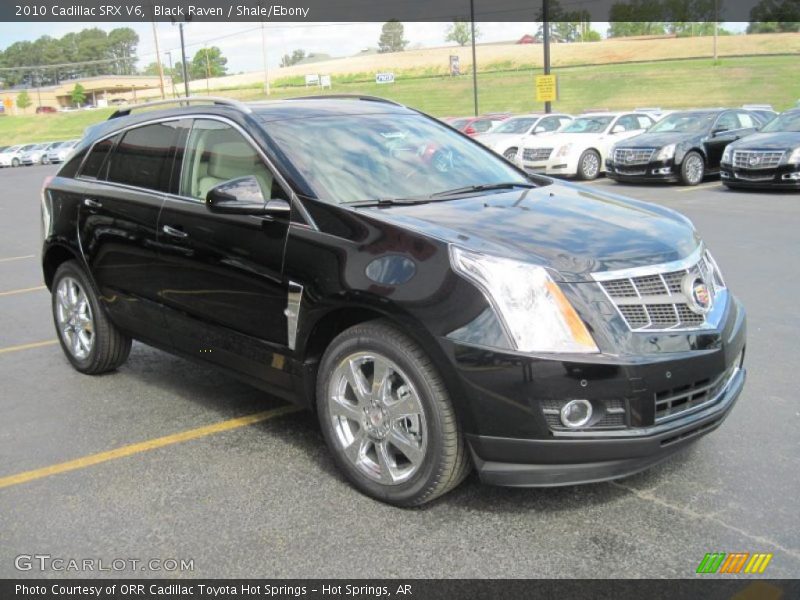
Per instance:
{"type": "Point", "coordinates": [174, 232]}
{"type": "Point", "coordinates": [92, 203]}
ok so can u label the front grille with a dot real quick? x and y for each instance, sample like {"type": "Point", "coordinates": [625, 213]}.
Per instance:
{"type": "Point", "coordinates": [677, 401]}
{"type": "Point", "coordinates": [536, 154]}
{"type": "Point", "coordinates": [757, 159]}
{"type": "Point", "coordinates": [633, 156]}
{"type": "Point", "coordinates": [744, 176]}
{"type": "Point", "coordinates": [656, 301]}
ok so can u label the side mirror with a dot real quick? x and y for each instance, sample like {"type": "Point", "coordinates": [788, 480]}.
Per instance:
{"type": "Point", "coordinates": [617, 129]}
{"type": "Point", "coordinates": [243, 196]}
{"type": "Point", "coordinates": [718, 132]}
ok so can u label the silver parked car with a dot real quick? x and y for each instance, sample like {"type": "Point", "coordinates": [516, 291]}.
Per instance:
{"type": "Point", "coordinates": [58, 152]}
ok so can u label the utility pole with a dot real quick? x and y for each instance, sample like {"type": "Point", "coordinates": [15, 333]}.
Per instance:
{"type": "Point", "coordinates": [264, 56]}
{"type": "Point", "coordinates": [183, 64]}
{"type": "Point", "coordinates": [716, 26]}
{"type": "Point", "coordinates": [474, 59]}
{"type": "Point", "coordinates": [158, 62]}
{"type": "Point", "coordinates": [171, 73]}
{"type": "Point", "coordinates": [208, 72]}
{"type": "Point", "coordinates": [546, 40]}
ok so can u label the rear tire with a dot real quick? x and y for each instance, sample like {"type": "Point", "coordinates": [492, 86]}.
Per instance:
{"type": "Point", "coordinates": [693, 168]}
{"type": "Point", "coordinates": [90, 341]}
{"type": "Point", "coordinates": [588, 165]}
{"type": "Point", "coordinates": [387, 417]}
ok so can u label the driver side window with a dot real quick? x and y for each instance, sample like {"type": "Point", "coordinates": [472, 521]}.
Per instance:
{"type": "Point", "coordinates": [726, 122]}
{"type": "Point", "coordinates": [216, 152]}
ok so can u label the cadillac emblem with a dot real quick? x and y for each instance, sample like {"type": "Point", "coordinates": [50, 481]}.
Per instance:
{"type": "Point", "coordinates": [753, 160]}
{"type": "Point", "coordinates": [697, 294]}
{"type": "Point", "coordinates": [629, 156]}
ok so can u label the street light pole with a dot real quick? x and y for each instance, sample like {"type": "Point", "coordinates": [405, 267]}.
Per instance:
{"type": "Point", "coordinates": [158, 61]}
{"type": "Point", "coordinates": [171, 74]}
{"type": "Point", "coordinates": [474, 59]}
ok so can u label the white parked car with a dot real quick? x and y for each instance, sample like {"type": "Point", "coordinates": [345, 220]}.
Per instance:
{"type": "Point", "coordinates": [507, 137]}
{"type": "Point", "coordinates": [10, 157]}
{"type": "Point", "coordinates": [580, 148]}
{"type": "Point", "coordinates": [33, 155]}
{"type": "Point", "coordinates": [59, 152]}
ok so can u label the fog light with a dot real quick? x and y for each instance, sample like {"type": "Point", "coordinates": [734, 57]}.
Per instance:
{"type": "Point", "coordinates": [791, 176]}
{"type": "Point", "coordinates": [576, 413]}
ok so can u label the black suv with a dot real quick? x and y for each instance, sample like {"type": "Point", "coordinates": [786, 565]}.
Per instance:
{"type": "Point", "coordinates": [437, 307]}
{"type": "Point", "coordinates": [684, 146]}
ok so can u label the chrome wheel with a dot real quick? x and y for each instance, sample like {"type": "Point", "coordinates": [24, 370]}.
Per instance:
{"type": "Point", "coordinates": [377, 418]}
{"type": "Point", "coordinates": [590, 166]}
{"type": "Point", "coordinates": [74, 316]}
{"type": "Point", "coordinates": [694, 169]}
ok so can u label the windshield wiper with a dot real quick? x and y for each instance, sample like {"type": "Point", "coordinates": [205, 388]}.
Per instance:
{"type": "Point", "coordinates": [388, 202]}
{"type": "Point", "coordinates": [484, 188]}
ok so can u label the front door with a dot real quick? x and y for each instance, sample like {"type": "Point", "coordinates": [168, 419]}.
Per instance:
{"type": "Point", "coordinates": [221, 275]}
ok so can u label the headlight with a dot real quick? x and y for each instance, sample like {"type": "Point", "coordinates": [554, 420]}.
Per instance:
{"type": "Point", "coordinates": [726, 155]}
{"type": "Point", "coordinates": [716, 275]}
{"type": "Point", "coordinates": [564, 150]}
{"type": "Point", "coordinates": [536, 314]}
{"type": "Point", "coordinates": [666, 152]}
{"type": "Point", "coordinates": [794, 157]}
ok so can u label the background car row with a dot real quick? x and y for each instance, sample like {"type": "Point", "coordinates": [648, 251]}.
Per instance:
{"type": "Point", "coordinates": [36, 154]}
{"type": "Point", "coordinates": [751, 146]}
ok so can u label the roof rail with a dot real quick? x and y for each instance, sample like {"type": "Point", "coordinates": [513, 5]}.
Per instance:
{"type": "Point", "coordinates": [217, 101]}
{"type": "Point", "coordinates": [348, 97]}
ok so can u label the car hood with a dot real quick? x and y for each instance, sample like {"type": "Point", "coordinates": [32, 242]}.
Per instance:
{"type": "Point", "coordinates": [568, 228]}
{"type": "Point", "coordinates": [658, 140]}
{"type": "Point", "coordinates": [559, 139]}
{"type": "Point", "coordinates": [779, 140]}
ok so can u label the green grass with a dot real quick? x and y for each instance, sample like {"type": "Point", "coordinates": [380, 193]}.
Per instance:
{"type": "Point", "coordinates": [668, 84]}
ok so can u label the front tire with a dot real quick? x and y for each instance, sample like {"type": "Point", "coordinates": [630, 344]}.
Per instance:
{"type": "Point", "coordinates": [387, 417]}
{"type": "Point", "coordinates": [88, 338]}
{"type": "Point", "coordinates": [692, 169]}
{"type": "Point", "coordinates": [510, 154]}
{"type": "Point", "coordinates": [588, 165]}
{"type": "Point", "coordinates": [15, 162]}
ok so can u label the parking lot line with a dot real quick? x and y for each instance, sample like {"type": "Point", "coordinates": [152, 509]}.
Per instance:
{"type": "Point", "coordinates": [23, 290]}
{"type": "Point", "coordinates": [30, 346]}
{"type": "Point", "coordinates": [10, 258]}
{"type": "Point", "coordinates": [124, 451]}
{"type": "Point", "coordinates": [699, 187]}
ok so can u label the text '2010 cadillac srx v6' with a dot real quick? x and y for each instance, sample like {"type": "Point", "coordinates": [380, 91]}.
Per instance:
{"type": "Point", "coordinates": [438, 308]}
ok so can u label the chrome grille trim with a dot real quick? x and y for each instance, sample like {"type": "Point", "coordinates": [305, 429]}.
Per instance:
{"type": "Point", "coordinates": [651, 299]}
{"type": "Point", "coordinates": [536, 154]}
{"type": "Point", "coordinates": [764, 159]}
{"type": "Point", "coordinates": [633, 156]}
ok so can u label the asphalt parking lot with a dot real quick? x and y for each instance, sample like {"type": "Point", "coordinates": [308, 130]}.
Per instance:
{"type": "Point", "coordinates": [264, 498]}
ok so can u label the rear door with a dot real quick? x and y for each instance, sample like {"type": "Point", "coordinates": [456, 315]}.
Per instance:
{"type": "Point", "coordinates": [125, 179]}
{"type": "Point", "coordinates": [221, 277]}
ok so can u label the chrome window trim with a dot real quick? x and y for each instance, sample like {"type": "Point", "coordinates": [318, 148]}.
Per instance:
{"type": "Point", "coordinates": [295, 200]}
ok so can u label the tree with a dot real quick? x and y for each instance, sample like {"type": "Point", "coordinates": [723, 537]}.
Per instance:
{"type": "Point", "coordinates": [591, 36]}
{"type": "Point", "coordinates": [773, 16]}
{"type": "Point", "coordinates": [639, 17]}
{"type": "Point", "coordinates": [631, 28]}
{"type": "Point", "coordinates": [78, 95]}
{"type": "Point", "coordinates": [565, 25]}
{"type": "Point", "coordinates": [391, 39]}
{"type": "Point", "coordinates": [208, 62]}
{"type": "Point", "coordinates": [460, 32]}
{"type": "Point", "coordinates": [292, 59]}
{"type": "Point", "coordinates": [23, 100]}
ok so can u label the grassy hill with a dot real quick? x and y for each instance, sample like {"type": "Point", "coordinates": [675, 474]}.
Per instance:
{"type": "Point", "coordinates": [668, 84]}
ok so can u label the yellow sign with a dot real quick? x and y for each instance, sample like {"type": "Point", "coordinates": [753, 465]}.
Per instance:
{"type": "Point", "coordinates": [546, 90]}
{"type": "Point", "coordinates": [8, 103]}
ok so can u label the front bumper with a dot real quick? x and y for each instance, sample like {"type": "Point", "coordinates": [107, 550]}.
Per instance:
{"type": "Point", "coordinates": [781, 177]}
{"type": "Point", "coordinates": [510, 403]}
{"type": "Point", "coordinates": [550, 463]}
{"type": "Point", "coordinates": [654, 171]}
{"type": "Point", "coordinates": [565, 166]}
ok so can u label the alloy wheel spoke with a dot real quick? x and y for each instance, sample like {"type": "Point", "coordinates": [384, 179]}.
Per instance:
{"type": "Point", "coordinates": [341, 407]}
{"type": "Point", "coordinates": [407, 446]}
{"type": "Point", "coordinates": [355, 377]}
{"type": "Point", "coordinates": [387, 469]}
{"type": "Point", "coordinates": [380, 380]}
{"type": "Point", "coordinates": [357, 448]}
{"type": "Point", "coordinates": [406, 406]}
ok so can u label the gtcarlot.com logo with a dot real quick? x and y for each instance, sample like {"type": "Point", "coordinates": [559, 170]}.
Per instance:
{"type": "Point", "coordinates": [734, 563]}
{"type": "Point", "coordinates": [46, 562]}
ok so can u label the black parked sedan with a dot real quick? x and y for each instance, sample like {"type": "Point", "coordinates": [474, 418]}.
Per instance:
{"type": "Point", "coordinates": [684, 146]}
{"type": "Point", "coordinates": [770, 158]}
{"type": "Point", "coordinates": [435, 306]}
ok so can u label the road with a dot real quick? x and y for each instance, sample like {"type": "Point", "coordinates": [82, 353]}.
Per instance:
{"type": "Point", "coordinates": [265, 499]}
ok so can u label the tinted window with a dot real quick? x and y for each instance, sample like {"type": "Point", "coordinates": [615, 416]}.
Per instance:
{"type": "Point", "coordinates": [216, 153]}
{"type": "Point", "coordinates": [727, 121]}
{"type": "Point", "coordinates": [97, 158]}
{"type": "Point", "coordinates": [144, 155]}
{"type": "Point", "coordinates": [628, 123]}
{"type": "Point", "coordinates": [550, 123]}
{"type": "Point", "coordinates": [644, 122]}
{"type": "Point", "coordinates": [483, 126]}
{"type": "Point", "coordinates": [684, 122]}
{"type": "Point", "coordinates": [746, 120]}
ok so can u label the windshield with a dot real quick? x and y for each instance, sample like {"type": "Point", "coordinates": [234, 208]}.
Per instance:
{"type": "Point", "coordinates": [588, 125]}
{"type": "Point", "coordinates": [515, 126]}
{"type": "Point", "coordinates": [684, 123]}
{"type": "Point", "coordinates": [353, 158]}
{"type": "Point", "coordinates": [789, 121]}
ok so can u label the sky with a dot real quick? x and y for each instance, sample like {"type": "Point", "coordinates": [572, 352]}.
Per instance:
{"type": "Point", "coordinates": [241, 42]}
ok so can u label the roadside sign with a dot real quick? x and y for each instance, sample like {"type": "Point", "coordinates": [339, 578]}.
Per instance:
{"type": "Point", "coordinates": [324, 81]}
{"type": "Point", "coordinates": [455, 65]}
{"type": "Point", "coordinates": [312, 80]}
{"type": "Point", "coordinates": [8, 103]}
{"type": "Point", "coordinates": [546, 90]}
{"type": "Point", "coordinates": [384, 78]}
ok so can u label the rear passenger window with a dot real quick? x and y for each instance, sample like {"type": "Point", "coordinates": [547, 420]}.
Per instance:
{"type": "Point", "coordinates": [97, 158]}
{"type": "Point", "coordinates": [144, 155]}
{"type": "Point", "coordinates": [215, 153]}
